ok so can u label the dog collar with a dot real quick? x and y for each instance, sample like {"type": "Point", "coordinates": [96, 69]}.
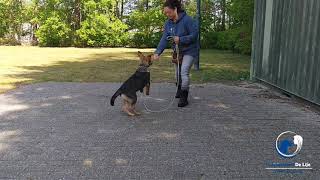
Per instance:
{"type": "Point", "coordinates": [143, 68]}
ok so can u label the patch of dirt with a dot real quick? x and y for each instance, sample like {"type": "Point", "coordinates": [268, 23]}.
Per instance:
{"type": "Point", "coordinates": [270, 95]}
{"type": "Point", "coordinates": [248, 85]}
{"type": "Point", "coordinates": [297, 102]}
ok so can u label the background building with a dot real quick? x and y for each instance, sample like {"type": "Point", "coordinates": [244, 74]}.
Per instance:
{"type": "Point", "coordinates": [286, 46]}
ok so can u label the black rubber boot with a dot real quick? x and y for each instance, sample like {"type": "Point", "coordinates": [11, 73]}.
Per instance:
{"type": "Point", "coordinates": [184, 98]}
{"type": "Point", "coordinates": [179, 92]}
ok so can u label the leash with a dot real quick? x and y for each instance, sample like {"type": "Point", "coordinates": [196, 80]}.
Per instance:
{"type": "Point", "coordinates": [169, 38]}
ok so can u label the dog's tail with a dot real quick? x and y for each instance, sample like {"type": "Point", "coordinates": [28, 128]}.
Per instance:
{"type": "Point", "coordinates": [114, 97]}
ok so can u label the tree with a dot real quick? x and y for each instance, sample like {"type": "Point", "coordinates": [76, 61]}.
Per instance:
{"type": "Point", "coordinates": [11, 13]}
{"type": "Point", "coordinates": [223, 12]}
{"type": "Point", "coordinates": [225, 24]}
{"type": "Point", "coordinates": [3, 20]}
{"type": "Point", "coordinates": [241, 11]}
{"type": "Point", "coordinates": [146, 27]}
{"type": "Point", "coordinates": [54, 33]}
{"type": "Point", "coordinates": [101, 26]}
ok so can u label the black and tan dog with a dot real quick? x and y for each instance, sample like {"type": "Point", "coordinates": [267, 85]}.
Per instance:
{"type": "Point", "coordinates": [139, 81]}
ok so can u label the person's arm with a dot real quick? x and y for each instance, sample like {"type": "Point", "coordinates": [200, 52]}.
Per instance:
{"type": "Point", "coordinates": [193, 32]}
{"type": "Point", "coordinates": [163, 42]}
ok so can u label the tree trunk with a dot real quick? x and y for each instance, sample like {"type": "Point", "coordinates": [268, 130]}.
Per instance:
{"type": "Point", "coordinates": [122, 4]}
{"type": "Point", "coordinates": [116, 9]}
{"type": "Point", "coordinates": [223, 11]}
{"type": "Point", "coordinates": [147, 5]}
{"type": "Point", "coordinates": [77, 14]}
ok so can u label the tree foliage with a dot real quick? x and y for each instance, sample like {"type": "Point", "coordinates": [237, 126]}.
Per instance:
{"type": "Point", "coordinates": [99, 30]}
{"type": "Point", "coordinates": [225, 24]}
{"type": "Point", "coordinates": [147, 27]}
{"type": "Point", "coordinates": [54, 32]}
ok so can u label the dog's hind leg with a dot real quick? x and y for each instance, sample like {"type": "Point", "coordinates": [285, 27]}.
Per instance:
{"type": "Point", "coordinates": [127, 106]}
{"type": "Point", "coordinates": [127, 109]}
{"type": "Point", "coordinates": [133, 105]}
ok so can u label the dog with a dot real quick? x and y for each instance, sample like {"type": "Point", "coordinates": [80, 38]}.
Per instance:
{"type": "Point", "coordinates": [139, 81]}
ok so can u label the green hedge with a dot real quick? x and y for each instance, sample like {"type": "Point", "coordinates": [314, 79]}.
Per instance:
{"type": "Point", "coordinates": [238, 40]}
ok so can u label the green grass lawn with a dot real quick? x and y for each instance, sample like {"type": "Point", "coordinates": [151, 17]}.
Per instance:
{"type": "Point", "coordinates": [25, 65]}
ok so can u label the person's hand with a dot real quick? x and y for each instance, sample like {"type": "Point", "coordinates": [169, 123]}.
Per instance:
{"type": "Point", "coordinates": [176, 39]}
{"type": "Point", "coordinates": [156, 57]}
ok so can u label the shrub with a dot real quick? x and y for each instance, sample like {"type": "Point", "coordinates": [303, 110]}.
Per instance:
{"type": "Point", "coordinates": [9, 42]}
{"type": "Point", "coordinates": [53, 33]}
{"type": "Point", "coordinates": [209, 40]}
{"type": "Point", "coordinates": [99, 30]}
{"type": "Point", "coordinates": [244, 42]}
{"type": "Point", "coordinates": [238, 40]}
{"type": "Point", "coordinates": [244, 45]}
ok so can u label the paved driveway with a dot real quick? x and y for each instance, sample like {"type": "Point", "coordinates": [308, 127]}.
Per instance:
{"type": "Point", "coordinates": [69, 131]}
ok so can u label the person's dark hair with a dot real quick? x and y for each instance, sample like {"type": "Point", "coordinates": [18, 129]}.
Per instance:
{"type": "Point", "coordinates": [172, 4]}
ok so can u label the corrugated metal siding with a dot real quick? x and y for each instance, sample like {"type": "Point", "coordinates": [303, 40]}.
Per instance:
{"type": "Point", "coordinates": [286, 46]}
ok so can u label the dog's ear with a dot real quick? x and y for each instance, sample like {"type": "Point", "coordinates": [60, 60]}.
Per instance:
{"type": "Point", "coordinates": [141, 56]}
{"type": "Point", "coordinates": [140, 53]}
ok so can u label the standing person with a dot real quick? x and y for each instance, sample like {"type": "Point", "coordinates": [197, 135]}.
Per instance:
{"type": "Point", "coordinates": [184, 31]}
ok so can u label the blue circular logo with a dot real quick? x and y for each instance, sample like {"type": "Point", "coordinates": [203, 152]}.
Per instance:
{"type": "Point", "coordinates": [289, 144]}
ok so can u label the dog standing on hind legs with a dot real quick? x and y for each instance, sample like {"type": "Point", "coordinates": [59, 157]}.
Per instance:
{"type": "Point", "coordinates": [139, 81]}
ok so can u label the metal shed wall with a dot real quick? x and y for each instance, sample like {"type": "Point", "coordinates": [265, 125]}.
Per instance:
{"type": "Point", "coordinates": [286, 46]}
